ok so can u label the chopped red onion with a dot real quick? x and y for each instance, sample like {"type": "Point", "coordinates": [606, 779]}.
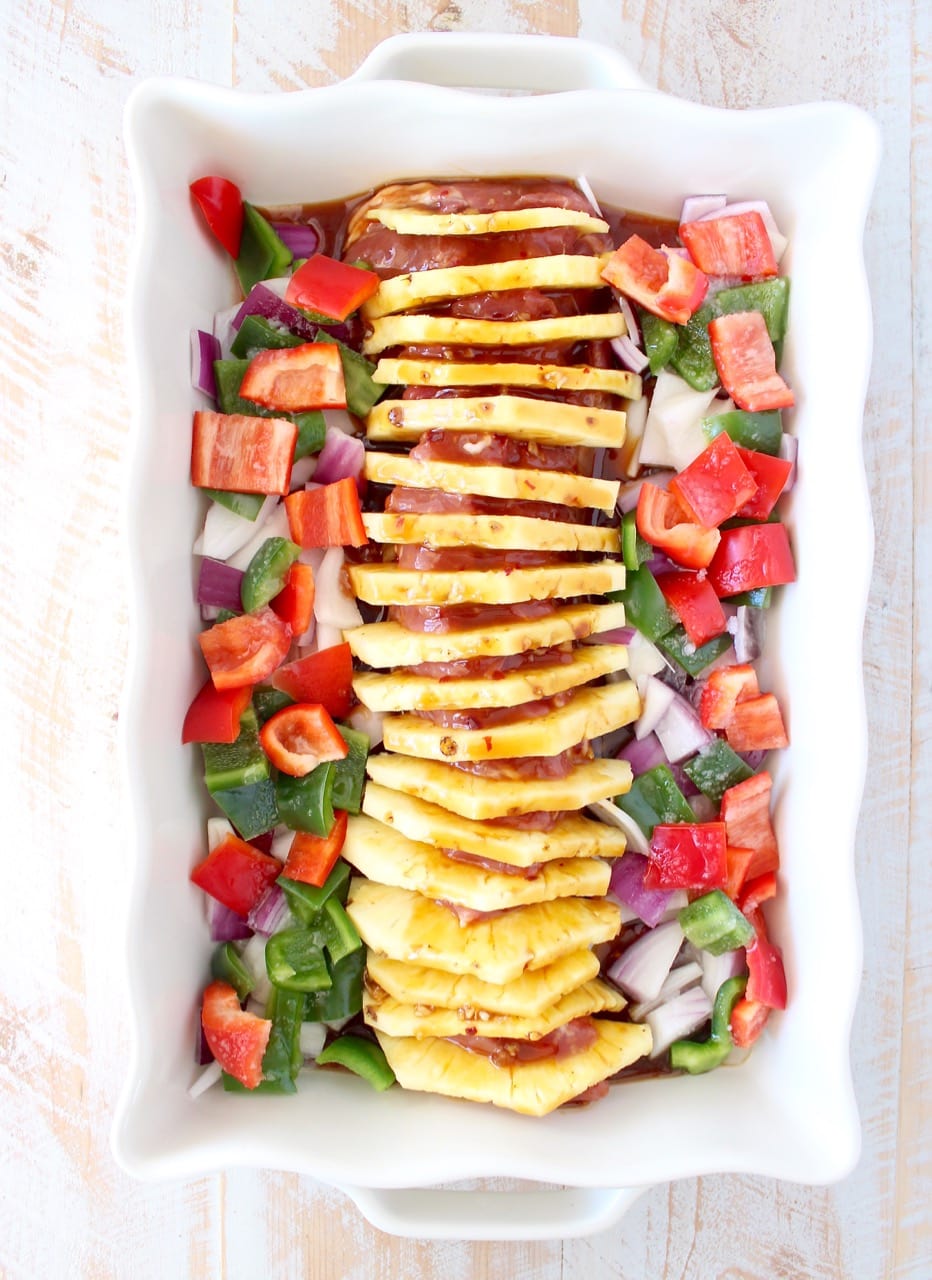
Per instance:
{"type": "Point", "coordinates": [642, 968]}
{"type": "Point", "coordinates": [263, 301]}
{"type": "Point", "coordinates": [660, 563]}
{"type": "Point", "coordinates": [677, 1018]}
{"type": "Point", "coordinates": [311, 1038]}
{"type": "Point", "coordinates": [302, 238]}
{"type": "Point", "coordinates": [629, 355]}
{"type": "Point", "coordinates": [612, 816]}
{"type": "Point", "coordinates": [747, 633]}
{"type": "Point", "coordinates": [789, 448]}
{"type": "Point", "coordinates": [224, 328]}
{"type": "Point", "coordinates": [680, 730]}
{"type": "Point", "coordinates": [643, 754]}
{"type": "Point", "coordinates": [778, 240]}
{"type": "Point", "coordinates": [627, 884]}
{"type": "Point", "coordinates": [583, 183]}
{"type": "Point", "coordinates": [334, 606]}
{"type": "Point", "coordinates": [219, 584]}
{"type": "Point", "coordinates": [205, 349]}
{"type": "Point", "coordinates": [718, 969]}
{"type": "Point", "coordinates": [202, 1052]}
{"type": "Point", "coordinates": [209, 1076]}
{"type": "Point", "coordinates": [619, 635]}
{"type": "Point", "coordinates": [225, 925]}
{"type": "Point", "coordinates": [634, 329]}
{"type": "Point", "coordinates": [253, 957]}
{"type": "Point", "coordinates": [675, 251]}
{"type": "Point", "coordinates": [644, 658]}
{"type": "Point", "coordinates": [629, 493]}
{"type": "Point", "coordinates": [753, 759]}
{"type": "Point", "coordinates": [341, 458]}
{"type": "Point", "coordinates": [302, 471]}
{"type": "Point", "coordinates": [696, 207]}
{"type": "Point", "coordinates": [340, 419]}
{"type": "Point", "coordinates": [704, 809]}
{"type": "Point", "coordinates": [656, 699]}
{"type": "Point", "coordinates": [263, 842]}
{"type": "Point", "coordinates": [225, 532]}
{"type": "Point", "coordinates": [271, 912]}
{"type": "Point", "coordinates": [683, 976]}
{"type": "Point", "coordinates": [367, 722]}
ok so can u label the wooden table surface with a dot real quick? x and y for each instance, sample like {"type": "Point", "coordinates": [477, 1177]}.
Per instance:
{"type": "Point", "coordinates": [65, 224]}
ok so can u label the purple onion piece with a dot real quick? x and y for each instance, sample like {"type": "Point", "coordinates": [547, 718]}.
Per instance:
{"type": "Point", "coordinates": [619, 635]}
{"type": "Point", "coordinates": [643, 754]}
{"type": "Point", "coordinates": [642, 968]}
{"type": "Point", "coordinates": [677, 1018]}
{"type": "Point", "coordinates": [634, 329]}
{"type": "Point", "coordinates": [205, 349]}
{"type": "Point", "coordinates": [270, 913]}
{"type": "Point", "coordinates": [753, 759]}
{"type": "Point", "coordinates": [629, 355]}
{"type": "Point", "coordinates": [680, 730]}
{"type": "Point", "coordinates": [202, 1054]}
{"type": "Point", "coordinates": [627, 884]}
{"type": "Point", "coordinates": [263, 302]}
{"type": "Point", "coordinates": [696, 207]}
{"type": "Point", "coordinates": [302, 238]}
{"type": "Point", "coordinates": [219, 585]}
{"type": "Point", "coordinates": [225, 925]}
{"type": "Point", "coordinates": [341, 458]}
{"type": "Point", "coordinates": [748, 626]}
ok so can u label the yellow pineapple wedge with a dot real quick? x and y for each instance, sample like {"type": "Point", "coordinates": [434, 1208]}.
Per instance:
{"type": "Point", "coordinates": [507, 533]}
{"type": "Point", "coordinates": [532, 1088]}
{"type": "Point", "coordinates": [573, 836]}
{"type": "Point", "coordinates": [384, 855]}
{"type": "Point", "coordinates": [406, 926]}
{"type": "Point", "coordinates": [527, 995]}
{"type": "Point", "coordinates": [494, 482]}
{"type": "Point", "coordinates": [398, 1019]}
{"type": "Point", "coordinates": [421, 222]}
{"type": "Point", "coordinates": [395, 331]}
{"type": "Point", "coordinates": [473, 373]}
{"type": "Point", "coordinates": [387, 584]}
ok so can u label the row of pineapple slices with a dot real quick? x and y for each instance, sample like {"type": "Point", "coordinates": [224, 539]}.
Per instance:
{"type": "Point", "coordinates": [531, 967]}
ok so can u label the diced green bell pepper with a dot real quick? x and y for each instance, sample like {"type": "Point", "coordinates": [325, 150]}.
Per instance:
{"type": "Point", "coordinates": [349, 774]}
{"type": "Point", "coordinates": [694, 659]}
{"type": "Point", "coordinates": [266, 702]}
{"type": "Point", "coordinates": [645, 606]}
{"type": "Point", "coordinates": [312, 427]}
{"type": "Point", "coordinates": [344, 998]}
{"type": "Point", "coordinates": [282, 1059]}
{"type": "Point", "coordinates": [770, 297]}
{"type": "Point", "coordinates": [294, 960]}
{"type": "Point", "coordinates": [699, 1056]}
{"type": "Point", "coordinates": [251, 809]}
{"type": "Point", "coordinates": [307, 900]}
{"type": "Point", "coordinates": [758, 598]}
{"type": "Point", "coordinates": [236, 764]}
{"type": "Point", "coordinates": [247, 505]}
{"type": "Point", "coordinates": [262, 255]}
{"type": "Point", "coordinates": [258, 334]}
{"type": "Point", "coordinates": [759, 431]}
{"type": "Point", "coordinates": [660, 339]}
{"type": "Point", "coordinates": [713, 923]}
{"type": "Point", "coordinates": [716, 768]}
{"type": "Point", "coordinates": [693, 359]}
{"type": "Point", "coordinates": [306, 804]}
{"type": "Point", "coordinates": [634, 550]}
{"type": "Point", "coordinates": [340, 935]}
{"type": "Point", "coordinates": [361, 391]}
{"type": "Point", "coordinates": [654, 797]}
{"type": "Point", "coordinates": [227, 966]}
{"type": "Point", "coordinates": [363, 1057]}
{"type": "Point", "coordinates": [267, 572]}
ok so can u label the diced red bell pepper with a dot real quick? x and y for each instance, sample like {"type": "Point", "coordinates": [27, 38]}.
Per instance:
{"type": "Point", "coordinates": [329, 287]}
{"type": "Point", "coordinates": [311, 858]}
{"type": "Point", "coordinates": [662, 281]}
{"type": "Point", "coordinates": [736, 245]}
{"type": "Point", "coordinates": [766, 975]}
{"type": "Point", "coordinates": [295, 379]}
{"type": "Point", "coordinates": [237, 1039]}
{"type": "Point", "coordinates": [723, 688]}
{"type": "Point", "coordinates": [325, 677]}
{"type": "Point", "coordinates": [245, 649]}
{"type": "Point", "coordinates": [245, 454]}
{"type": "Point", "coordinates": [748, 1019]}
{"type": "Point", "coordinates": [294, 604]}
{"type": "Point", "coordinates": [715, 485]}
{"type": "Point", "coordinates": [214, 715]}
{"type": "Point", "coordinates": [687, 855]}
{"type": "Point", "coordinates": [737, 861]}
{"type": "Point", "coordinates": [327, 517]}
{"type": "Point", "coordinates": [695, 603]}
{"type": "Point", "coordinates": [756, 724]}
{"type": "Point", "coordinates": [300, 737]}
{"type": "Point", "coordinates": [663, 523]}
{"type": "Point", "coordinates": [745, 812]}
{"type": "Point", "coordinates": [760, 889]}
{"type": "Point", "coordinates": [770, 475]}
{"type": "Point", "coordinates": [236, 874]}
{"type": "Point", "coordinates": [747, 363]}
{"type": "Point", "coordinates": [220, 202]}
{"type": "Point", "coordinates": [752, 556]}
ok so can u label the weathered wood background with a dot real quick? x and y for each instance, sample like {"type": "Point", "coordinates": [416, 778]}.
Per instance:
{"type": "Point", "coordinates": [65, 223]}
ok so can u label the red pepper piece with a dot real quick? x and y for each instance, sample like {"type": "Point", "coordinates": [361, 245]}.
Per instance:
{"type": "Point", "coordinates": [766, 975]}
{"type": "Point", "coordinates": [295, 379]}
{"type": "Point", "coordinates": [745, 812]}
{"type": "Point", "coordinates": [325, 677]}
{"type": "Point", "coordinates": [214, 715]}
{"type": "Point", "coordinates": [311, 858]}
{"type": "Point", "coordinates": [760, 889]}
{"type": "Point", "coordinates": [236, 874]}
{"type": "Point", "coordinates": [247, 455]}
{"type": "Point", "coordinates": [662, 281]}
{"type": "Point", "coordinates": [327, 517]}
{"type": "Point", "coordinates": [722, 690]}
{"type": "Point", "coordinates": [770, 475]}
{"type": "Point", "coordinates": [746, 362]}
{"type": "Point", "coordinates": [329, 287]}
{"type": "Point", "coordinates": [752, 556]}
{"type": "Point", "coordinates": [246, 649]}
{"type": "Point", "coordinates": [294, 604]}
{"type": "Point", "coordinates": [300, 737]}
{"type": "Point", "coordinates": [220, 202]}
{"type": "Point", "coordinates": [687, 855]}
{"type": "Point", "coordinates": [756, 724]}
{"type": "Point", "coordinates": [695, 604]}
{"type": "Point", "coordinates": [237, 1039]}
{"type": "Point", "coordinates": [715, 485]}
{"type": "Point", "coordinates": [736, 245]}
{"type": "Point", "coordinates": [737, 861]}
{"type": "Point", "coordinates": [663, 523]}
{"type": "Point", "coordinates": [748, 1019]}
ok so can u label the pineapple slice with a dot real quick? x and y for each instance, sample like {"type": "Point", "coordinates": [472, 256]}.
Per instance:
{"type": "Point", "coordinates": [406, 926]}
{"type": "Point", "coordinates": [386, 644]}
{"type": "Point", "coordinates": [548, 421]}
{"type": "Point", "coordinates": [475, 797]}
{"type": "Point", "coordinates": [589, 714]}
{"type": "Point", "coordinates": [549, 377]}
{"type": "Point", "coordinates": [572, 837]}
{"type": "Point", "coordinates": [420, 288]}
{"type": "Point", "coordinates": [398, 1019]}
{"type": "Point", "coordinates": [401, 692]}
{"type": "Point", "coordinates": [492, 482]}
{"type": "Point", "coordinates": [386, 584]}
{"type": "Point", "coordinates": [383, 854]}
{"type": "Point", "coordinates": [510, 533]}
{"type": "Point", "coordinates": [530, 994]}
{"type": "Point", "coordinates": [406, 331]}
{"type": "Point", "coordinates": [417, 222]}
{"type": "Point", "coordinates": [533, 1088]}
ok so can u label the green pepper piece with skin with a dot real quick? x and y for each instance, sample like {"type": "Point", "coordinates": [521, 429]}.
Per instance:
{"type": "Point", "coordinates": [634, 550]}
{"type": "Point", "coordinates": [294, 960]}
{"type": "Point", "coordinates": [227, 966]}
{"type": "Point", "coordinates": [645, 606]}
{"type": "Point", "coordinates": [693, 359]}
{"type": "Point", "coordinates": [340, 936]}
{"type": "Point", "coordinates": [258, 334]}
{"type": "Point", "coordinates": [713, 923]}
{"type": "Point", "coordinates": [307, 900]}
{"type": "Point", "coordinates": [349, 774]}
{"type": "Point", "coordinates": [757, 598]}
{"type": "Point", "coordinates": [267, 572]}
{"type": "Point", "coordinates": [716, 768]}
{"type": "Point", "coordinates": [247, 505]}
{"type": "Point", "coordinates": [344, 997]}
{"type": "Point", "coordinates": [267, 701]}
{"type": "Point", "coordinates": [251, 809]}
{"type": "Point", "coordinates": [361, 391]}
{"type": "Point", "coordinates": [306, 804]}
{"type": "Point", "coordinates": [262, 254]}
{"type": "Point", "coordinates": [654, 797]}
{"type": "Point", "coordinates": [698, 1056]}
{"type": "Point", "coordinates": [363, 1057]}
{"type": "Point", "coordinates": [282, 1059]}
{"type": "Point", "coordinates": [694, 659]}
{"type": "Point", "coordinates": [312, 426]}
{"type": "Point", "coordinates": [660, 340]}
{"type": "Point", "coordinates": [759, 431]}
{"type": "Point", "coordinates": [228, 765]}
{"type": "Point", "coordinates": [770, 297]}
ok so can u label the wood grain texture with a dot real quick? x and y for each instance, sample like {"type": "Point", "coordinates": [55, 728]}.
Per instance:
{"type": "Point", "coordinates": [65, 223]}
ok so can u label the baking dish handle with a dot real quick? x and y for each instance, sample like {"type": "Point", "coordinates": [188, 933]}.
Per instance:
{"type": "Point", "coordinates": [432, 1213]}
{"type": "Point", "coordinates": [471, 60]}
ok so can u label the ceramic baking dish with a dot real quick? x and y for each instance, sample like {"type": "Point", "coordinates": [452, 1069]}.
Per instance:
{"type": "Point", "coordinates": [789, 1112]}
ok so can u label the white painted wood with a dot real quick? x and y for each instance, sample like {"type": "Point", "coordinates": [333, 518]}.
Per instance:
{"type": "Point", "coordinates": [65, 220]}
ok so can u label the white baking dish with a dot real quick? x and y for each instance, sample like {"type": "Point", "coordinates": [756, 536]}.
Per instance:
{"type": "Point", "coordinates": [789, 1112]}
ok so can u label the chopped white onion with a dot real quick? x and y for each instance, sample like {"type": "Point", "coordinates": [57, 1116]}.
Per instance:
{"type": "Point", "coordinates": [217, 831]}
{"type": "Point", "coordinates": [311, 1038]}
{"type": "Point", "coordinates": [340, 419]}
{"type": "Point", "coordinates": [368, 722]}
{"type": "Point", "coordinates": [253, 957]}
{"type": "Point", "coordinates": [749, 624]}
{"type": "Point", "coordinates": [302, 471]}
{"type": "Point", "coordinates": [634, 329]}
{"type": "Point", "coordinates": [223, 328]}
{"type": "Point", "coordinates": [644, 658]}
{"type": "Point", "coordinates": [327, 637]}
{"type": "Point", "coordinates": [281, 842]}
{"type": "Point", "coordinates": [276, 526]}
{"type": "Point", "coordinates": [642, 968]}
{"type": "Point", "coordinates": [673, 436]}
{"type": "Point", "coordinates": [704, 809]}
{"type": "Point", "coordinates": [680, 730]}
{"type": "Point", "coordinates": [615, 817]}
{"type": "Point", "coordinates": [685, 975]}
{"type": "Point", "coordinates": [696, 207]}
{"type": "Point", "coordinates": [209, 1076]}
{"type": "Point", "coordinates": [279, 285]}
{"type": "Point", "coordinates": [224, 532]}
{"type": "Point", "coordinates": [656, 700]}
{"type": "Point", "coordinates": [333, 605]}
{"type": "Point", "coordinates": [718, 969]}
{"type": "Point", "coordinates": [679, 899]}
{"type": "Point", "coordinates": [789, 448]}
{"type": "Point", "coordinates": [679, 1017]}
{"type": "Point", "coordinates": [583, 183]}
